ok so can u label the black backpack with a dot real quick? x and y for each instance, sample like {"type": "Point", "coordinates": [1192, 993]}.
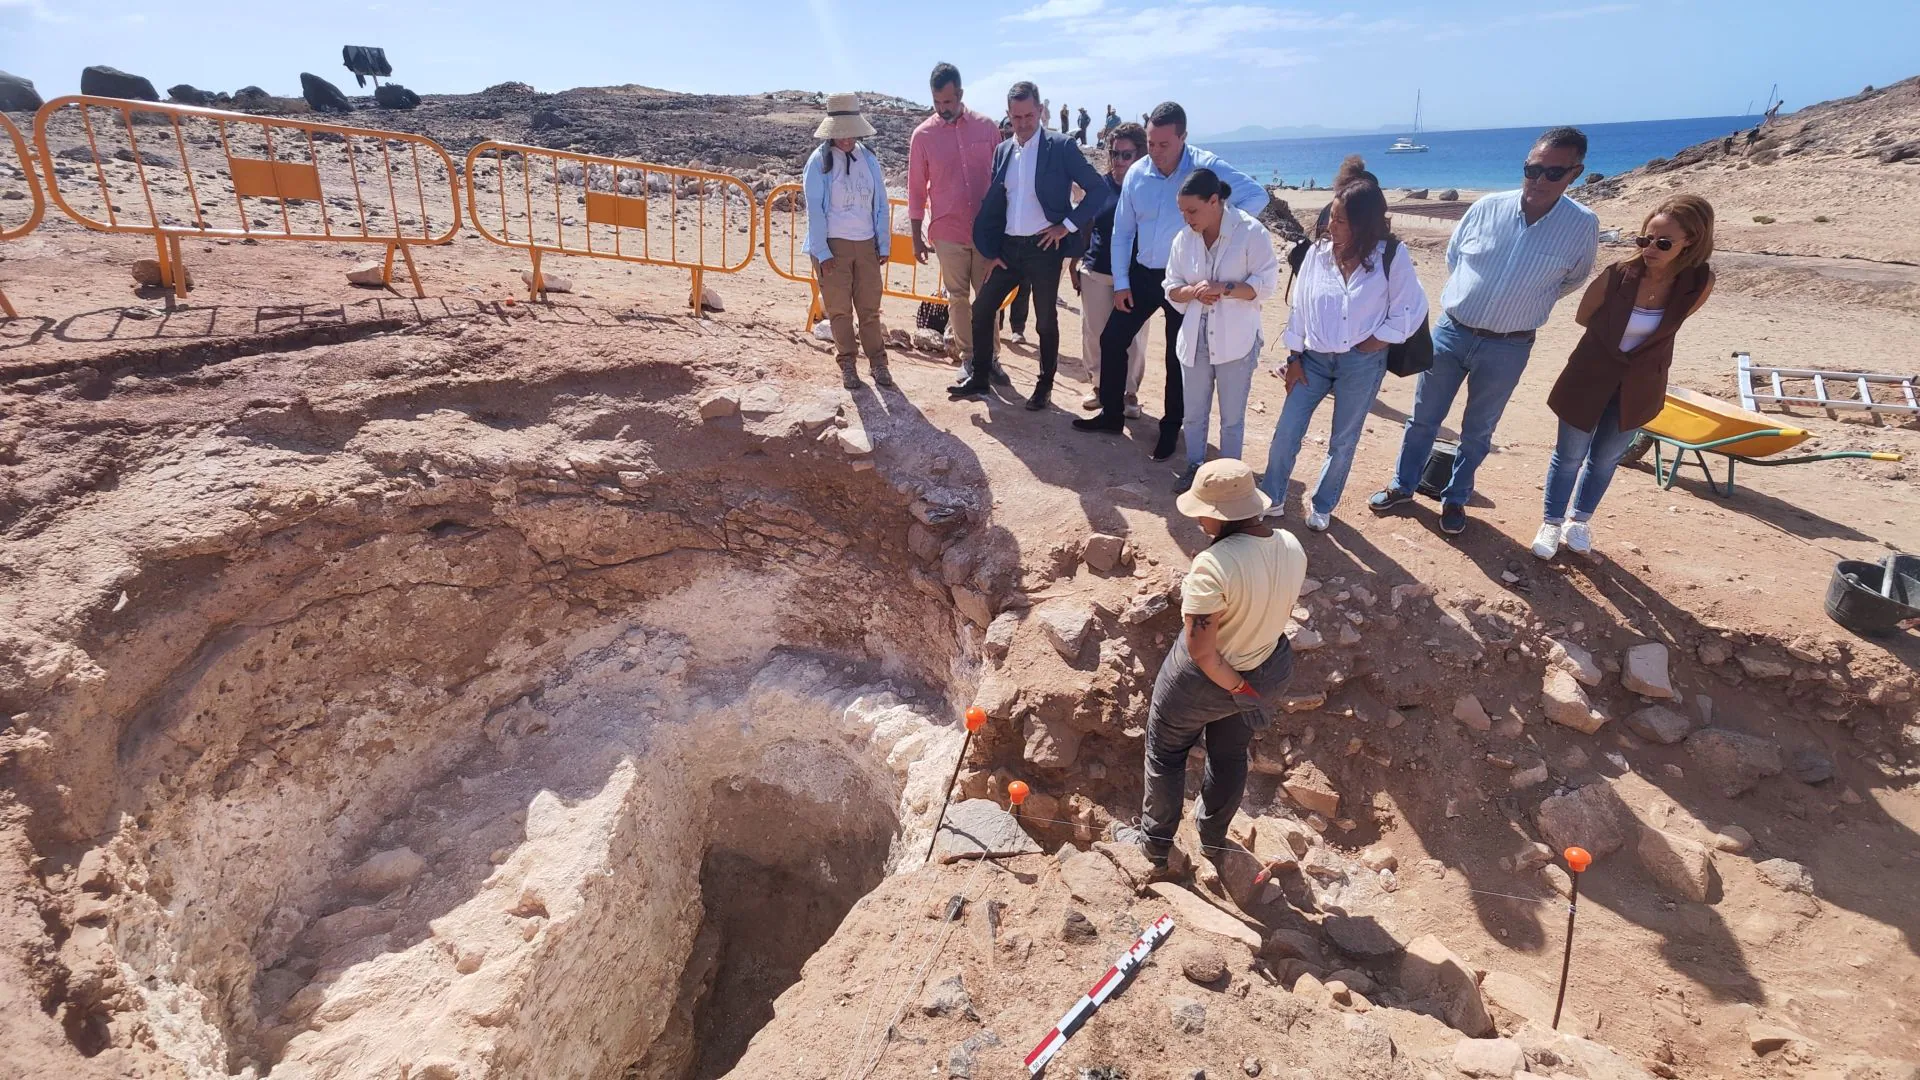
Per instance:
{"type": "Point", "coordinates": [1414, 355]}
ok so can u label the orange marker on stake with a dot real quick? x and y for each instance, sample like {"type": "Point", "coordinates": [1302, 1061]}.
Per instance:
{"type": "Point", "coordinates": [1017, 794]}
{"type": "Point", "coordinates": [976, 719]}
{"type": "Point", "coordinates": [1577, 860]}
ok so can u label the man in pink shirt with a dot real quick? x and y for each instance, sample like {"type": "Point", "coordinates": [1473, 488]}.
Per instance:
{"type": "Point", "coordinates": [949, 161]}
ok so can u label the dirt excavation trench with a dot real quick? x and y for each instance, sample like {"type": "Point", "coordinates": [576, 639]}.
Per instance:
{"type": "Point", "coordinates": [501, 765]}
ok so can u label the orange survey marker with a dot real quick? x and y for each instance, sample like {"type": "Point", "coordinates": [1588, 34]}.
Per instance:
{"type": "Point", "coordinates": [14, 225]}
{"type": "Point", "coordinates": [556, 202]}
{"type": "Point", "coordinates": [178, 172]}
{"type": "Point", "coordinates": [786, 249]}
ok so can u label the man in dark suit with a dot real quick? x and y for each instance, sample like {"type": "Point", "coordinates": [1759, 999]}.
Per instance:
{"type": "Point", "coordinates": [1027, 226]}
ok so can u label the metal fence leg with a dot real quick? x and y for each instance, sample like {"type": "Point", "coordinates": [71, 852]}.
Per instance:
{"type": "Point", "coordinates": [6, 306]}
{"type": "Point", "coordinates": [539, 285]}
{"type": "Point", "coordinates": [406, 253]}
{"type": "Point", "coordinates": [698, 308]}
{"type": "Point", "coordinates": [179, 269]}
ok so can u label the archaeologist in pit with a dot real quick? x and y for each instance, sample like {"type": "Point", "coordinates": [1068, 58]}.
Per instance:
{"type": "Point", "coordinates": [1228, 663]}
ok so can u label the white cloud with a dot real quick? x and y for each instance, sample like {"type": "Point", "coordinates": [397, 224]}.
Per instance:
{"type": "Point", "coordinates": [1059, 9]}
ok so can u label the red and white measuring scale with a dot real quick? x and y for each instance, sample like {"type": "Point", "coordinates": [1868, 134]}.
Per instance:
{"type": "Point", "coordinates": [1128, 963]}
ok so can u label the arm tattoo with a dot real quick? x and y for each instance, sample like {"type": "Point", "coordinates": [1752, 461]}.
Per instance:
{"type": "Point", "coordinates": [1201, 622]}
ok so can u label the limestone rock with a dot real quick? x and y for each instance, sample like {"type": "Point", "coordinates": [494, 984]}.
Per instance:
{"type": "Point", "coordinates": [384, 872]}
{"type": "Point", "coordinates": [719, 405]}
{"type": "Point", "coordinates": [710, 300]}
{"type": "Point", "coordinates": [854, 442]}
{"type": "Point", "coordinates": [979, 826]}
{"type": "Point", "coordinates": [1051, 744]}
{"type": "Point", "coordinates": [1759, 665]}
{"type": "Point", "coordinates": [1093, 879]}
{"type": "Point", "coordinates": [1557, 879]}
{"type": "Point", "coordinates": [1379, 857]}
{"type": "Point", "coordinates": [1681, 867]}
{"type": "Point", "coordinates": [1659, 724]}
{"type": "Point", "coordinates": [1204, 965]}
{"type": "Point", "coordinates": [1470, 712]}
{"type": "Point", "coordinates": [765, 400]}
{"type": "Point", "coordinates": [999, 639]}
{"type": "Point", "coordinates": [1733, 838]}
{"type": "Point", "coordinates": [1067, 623]}
{"type": "Point", "coordinates": [999, 696]}
{"type": "Point", "coordinates": [1193, 913]}
{"type": "Point", "coordinates": [549, 282]}
{"type": "Point", "coordinates": [1733, 762]}
{"type": "Point", "coordinates": [1520, 779]}
{"type": "Point", "coordinates": [1144, 608]}
{"type": "Point", "coordinates": [1588, 818]}
{"type": "Point", "coordinates": [1566, 703]}
{"type": "Point", "coordinates": [1308, 987]}
{"type": "Point", "coordinates": [949, 998]}
{"type": "Point", "coordinates": [973, 605]}
{"type": "Point", "coordinates": [1103, 552]}
{"type": "Point", "coordinates": [1765, 1038]}
{"type": "Point", "coordinates": [1430, 970]}
{"type": "Point", "coordinates": [1488, 1058]}
{"type": "Point", "coordinates": [1513, 1000]}
{"type": "Point", "coordinates": [367, 273]}
{"type": "Point", "coordinates": [146, 273]}
{"type": "Point", "coordinates": [1306, 639]}
{"type": "Point", "coordinates": [1645, 672]}
{"type": "Point", "coordinates": [1309, 787]}
{"type": "Point", "coordinates": [1575, 661]}
{"type": "Point", "coordinates": [1714, 652]}
{"type": "Point", "coordinates": [1786, 875]}
{"type": "Point", "coordinates": [1532, 857]}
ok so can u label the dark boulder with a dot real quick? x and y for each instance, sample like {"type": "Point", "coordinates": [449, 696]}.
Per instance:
{"type": "Point", "coordinates": [186, 94]}
{"type": "Point", "coordinates": [395, 96]}
{"type": "Point", "coordinates": [323, 96]}
{"type": "Point", "coordinates": [103, 81]}
{"type": "Point", "coordinates": [1449, 195]}
{"type": "Point", "coordinates": [17, 94]}
{"type": "Point", "coordinates": [1418, 193]}
{"type": "Point", "coordinates": [549, 120]}
{"type": "Point", "coordinates": [1594, 177]}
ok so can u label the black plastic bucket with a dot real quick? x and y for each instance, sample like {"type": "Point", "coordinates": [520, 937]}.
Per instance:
{"type": "Point", "coordinates": [1439, 471]}
{"type": "Point", "coordinates": [1902, 579]}
{"type": "Point", "coordinates": [1854, 600]}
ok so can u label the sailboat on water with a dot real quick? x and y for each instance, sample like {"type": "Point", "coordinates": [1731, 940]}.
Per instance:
{"type": "Point", "coordinates": [1405, 144]}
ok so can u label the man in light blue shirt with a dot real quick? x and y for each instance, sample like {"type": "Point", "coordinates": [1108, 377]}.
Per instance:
{"type": "Point", "coordinates": [1145, 221]}
{"type": "Point", "coordinates": [1515, 254]}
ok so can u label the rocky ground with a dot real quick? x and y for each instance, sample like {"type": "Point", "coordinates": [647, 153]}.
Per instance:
{"type": "Point", "coordinates": [300, 573]}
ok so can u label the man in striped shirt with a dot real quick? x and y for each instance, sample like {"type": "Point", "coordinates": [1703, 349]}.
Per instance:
{"type": "Point", "coordinates": [1515, 254]}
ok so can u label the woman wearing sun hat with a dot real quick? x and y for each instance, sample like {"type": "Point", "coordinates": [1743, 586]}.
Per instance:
{"type": "Point", "coordinates": [1229, 661]}
{"type": "Point", "coordinates": [849, 235]}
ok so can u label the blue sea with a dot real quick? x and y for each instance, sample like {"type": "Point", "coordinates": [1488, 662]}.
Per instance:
{"type": "Point", "coordinates": [1487, 159]}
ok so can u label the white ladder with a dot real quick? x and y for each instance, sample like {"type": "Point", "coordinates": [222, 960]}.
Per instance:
{"type": "Point", "coordinates": [1774, 391]}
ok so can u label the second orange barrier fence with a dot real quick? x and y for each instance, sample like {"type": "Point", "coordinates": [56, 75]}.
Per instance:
{"type": "Point", "coordinates": [557, 202]}
{"type": "Point", "coordinates": [15, 224]}
{"type": "Point", "coordinates": [179, 172]}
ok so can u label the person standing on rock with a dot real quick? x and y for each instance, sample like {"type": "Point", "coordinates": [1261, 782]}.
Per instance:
{"type": "Point", "coordinates": [949, 159]}
{"type": "Point", "coordinates": [1229, 662]}
{"type": "Point", "coordinates": [1357, 294]}
{"type": "Point", "coordinates": [1081, 122]}
{"type": "Point", "coordinates": [1027, 226]}
{"type": "Point", "coordinates": [1063, 119]}
{"type": "Point", "coordinates": [849, 235]}
{"type": "Point", "coordinates": [1093, 276]}
{"type": "Point", "coordinates": [1144, 225]}
{"type": "Point", "coordinates": [1221, 269]}
{"type": "Point", "coordinates": [1513, 256]}
{"type": "Point", "coordinates": [1616, 380]}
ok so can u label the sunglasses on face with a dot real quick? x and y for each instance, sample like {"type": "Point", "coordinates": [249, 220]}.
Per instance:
{"type": "Point", "coordinates": [1664, 243]}
{"type": "Point", "coordinates": [1124, 155]}
{"type": "Point", "coordinates": [1555, 173]}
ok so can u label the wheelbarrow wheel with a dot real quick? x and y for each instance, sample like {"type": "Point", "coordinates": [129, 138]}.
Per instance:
{"type": "Point", "coordinates": [1637, 449]}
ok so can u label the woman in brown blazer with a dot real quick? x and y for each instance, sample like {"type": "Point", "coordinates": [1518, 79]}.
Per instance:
{"type": "Point", "coordinates": [1616, 379]}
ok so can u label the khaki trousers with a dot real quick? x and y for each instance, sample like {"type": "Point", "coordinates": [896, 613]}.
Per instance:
{"type": "Point", "coordinates": [851, 285]}
{"type": "Point", "coordinates": [962, 272]}
{"type": "Point", "coordinates": [1096, 306]}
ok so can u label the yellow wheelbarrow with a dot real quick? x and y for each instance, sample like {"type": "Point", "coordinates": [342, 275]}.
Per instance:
{"type": "Point", "coordinates": [1693, 423]}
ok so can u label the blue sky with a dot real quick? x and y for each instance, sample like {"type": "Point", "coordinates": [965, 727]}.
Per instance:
{"type": "Point", "coordinates": [1231, 62]}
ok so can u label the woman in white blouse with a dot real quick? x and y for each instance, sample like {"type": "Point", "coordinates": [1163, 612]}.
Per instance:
{"type": "Point", "coordinates": [849, 236]}
{"type": "Point", "coordinates": [1356, 294]}
{"type": "Point", "coordinates": [1220, 270]}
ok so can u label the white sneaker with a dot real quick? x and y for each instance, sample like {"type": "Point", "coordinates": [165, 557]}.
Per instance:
{"type": "Point", "coordinates": [1133, 408]}
{"type": "Point", "coordinates": [1317, 521]}
{"type": "Point", "coordinates": [1546, 542]}
{"type": "Point", "coordinates": [1578, 536]}
{"type": "Point", "coordinates": [1020, 339]}
{"type": "Point", "coordinates": [1090, 402]}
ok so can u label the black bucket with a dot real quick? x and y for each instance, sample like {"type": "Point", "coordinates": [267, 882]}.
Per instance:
{"type": "Point", "coordinates": [1854, 600]}
{"type": "Point", "coordinates": [1902, 579]}
{"type": "Point", "coordinates": [1439, 471]}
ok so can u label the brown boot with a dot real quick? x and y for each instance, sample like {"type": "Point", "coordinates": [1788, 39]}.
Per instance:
{"type": "Point", "coordinates": [850, 374]}
{"type": "Point", "coordinates": [881, 376]}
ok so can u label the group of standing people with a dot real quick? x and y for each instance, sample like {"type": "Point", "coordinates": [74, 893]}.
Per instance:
{"type": "Point", "coordinates": [1171, 229]}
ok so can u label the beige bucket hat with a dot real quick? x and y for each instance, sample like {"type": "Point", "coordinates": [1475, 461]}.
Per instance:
{"type": "Point", "coordinates": [844, 120]}
{"type": "Point", "coordinates": [1225, 489]}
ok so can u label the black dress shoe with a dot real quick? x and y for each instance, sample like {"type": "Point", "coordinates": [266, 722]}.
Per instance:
{"type": "Point", "coordinates": [968, 388]}
{"type": "Point", "coordinates": [1168, 442]}
{"type": "Point", "coordinates": [1039, 401]}
{"type": "Point", "coordinates": [1100, 422]}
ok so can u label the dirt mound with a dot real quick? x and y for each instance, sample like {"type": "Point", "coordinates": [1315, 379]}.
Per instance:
{"type": "Point", "coordinates": [1840, 179]}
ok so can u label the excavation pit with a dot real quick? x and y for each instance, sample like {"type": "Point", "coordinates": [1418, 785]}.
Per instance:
{"type": "Point", "coordinates": [500, 772]}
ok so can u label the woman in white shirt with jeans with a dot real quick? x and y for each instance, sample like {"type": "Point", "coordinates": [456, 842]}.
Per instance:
{"type": "Point", "coordinates": [1348, 306]}
{"type": "Point", "coordinates": [1221, 268]}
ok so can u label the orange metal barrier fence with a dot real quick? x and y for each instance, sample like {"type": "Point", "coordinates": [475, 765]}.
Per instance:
{"type": "Point", "coordinates": [556, 202]}
{"type": "Point", "coordinates": [14, 224]}
{"type": "Point", "coordinates": [177, 172]}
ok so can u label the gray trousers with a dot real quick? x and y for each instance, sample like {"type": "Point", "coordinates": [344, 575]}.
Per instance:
{"type": "Point", "coordinates": [1187, 707]}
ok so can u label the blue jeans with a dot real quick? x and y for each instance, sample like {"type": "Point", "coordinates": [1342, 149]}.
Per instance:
{"type": "Point", "coordinates": [1589, 456]}
{"type": "Point", "coordinates": [1353, 378]}
{"type": "Point", "coordinates": [1234, 381]}
{"type": "Point", "coordinates": [1491, 369]}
